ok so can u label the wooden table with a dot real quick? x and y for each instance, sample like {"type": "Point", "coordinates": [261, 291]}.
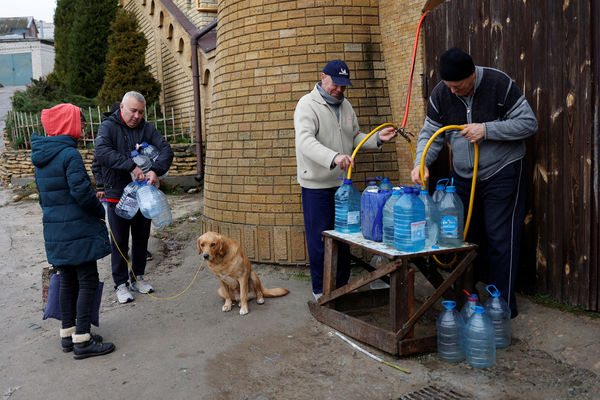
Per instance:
{"type": "Point", "coordinates": [399, 339]}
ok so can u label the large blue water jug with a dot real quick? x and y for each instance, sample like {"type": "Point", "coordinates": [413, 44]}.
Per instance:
{"type": "Point", "coordinates": [450, 328]}
{"type": "Point", "coordinates": [467, 309]}
{"type": "Point", "coordinates": [499, 312]}
{"type": "Point", "coordinates": [440, 190]}
{"type": "Point", "coordinates": [165, 216]}
{"type": "Point", "coordinates": [432, 226]}
{"type": "Point", "coordinates": [385, 183]}
{"type": "Point", "coordinates": [451, 219]}
{"type": "Point", "coordinates": [149, 200]}
{"type": "Point", "coordinates": [388, 217]}
{"type": "Point", "coordinates": [480, 346]}
{"type": "Point", "coordinates": [142, 161]}
{"type": "Point", "coordinates": [372, 202]}
{"type": "Point", "coordinates": [409, 222]}
{"type": "Point", "coordinates": [128, 205]}
{"type": "Point", "coordinates": [347, 208]}
{"type": "Point", "coordinates": [149, 151]}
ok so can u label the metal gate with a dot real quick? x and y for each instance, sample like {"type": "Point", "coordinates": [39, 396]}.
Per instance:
{"type": "Point", "coordinates": [15, 69]}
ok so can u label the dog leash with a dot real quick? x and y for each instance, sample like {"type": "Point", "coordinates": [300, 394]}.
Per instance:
{"type": "Point", "coordinates": [135, 277]}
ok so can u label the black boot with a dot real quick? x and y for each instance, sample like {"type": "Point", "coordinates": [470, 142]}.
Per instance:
{"type": "Point", "coordinates": [66, 339]}
{"type": "Point", "coordinates": [85, 346]}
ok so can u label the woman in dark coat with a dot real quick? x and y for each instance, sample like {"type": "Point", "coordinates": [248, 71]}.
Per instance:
{"type": "Point", "coordinates": [75, 237]}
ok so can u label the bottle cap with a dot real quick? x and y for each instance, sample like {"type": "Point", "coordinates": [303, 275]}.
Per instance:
{"type": "Point", "coordinates": [478, 309]}
{"type": "Point", "coordinates": [473, 297]}
{"type": "Point", "coordinates": [347, 181]}
{"type": "Point", "coordinates": [449, 304]}
{"type": "Point", "coordinates": [450, 189]}
{"type": "Point", "coordinates": [441, 184]}
{"type": "Point", "coordinates": [134, 153]}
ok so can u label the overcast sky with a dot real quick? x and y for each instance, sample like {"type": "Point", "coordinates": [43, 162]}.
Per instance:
{"type": "Point", "coordinates": [39, 9]}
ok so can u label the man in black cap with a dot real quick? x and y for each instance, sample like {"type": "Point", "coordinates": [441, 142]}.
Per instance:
{"type": "Point", "coordinates": [327, 132]}
{"type": "Point", "coordinates": [497, 117]}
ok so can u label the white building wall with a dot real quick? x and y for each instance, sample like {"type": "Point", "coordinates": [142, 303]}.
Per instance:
{"type": "Point", "coordinates": [42, 54]}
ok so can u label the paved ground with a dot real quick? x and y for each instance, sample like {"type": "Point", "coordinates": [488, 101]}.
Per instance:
{"type": "Point", "coordinates": [5, 95]}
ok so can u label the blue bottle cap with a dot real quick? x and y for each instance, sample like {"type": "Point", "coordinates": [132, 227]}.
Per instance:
{"type": "Point", "coordinates": [441, 184]}
{"type": "Point", "coordinates": [473, 297]}
{"type": "Point", "coordinates": [494, 292]}
{"type": "Point", "coordinates": [347, 181]}
{"type": "Point", "coordinates": [450, 189]}
{"type": "Point", "coordinates": [449, 304]}
{"type": "Point", "coordinates": [144, 145]}
{"type": "Point", "coordinates": [134, 153]}
{"type": "Point", "coordinates": [478, 309]}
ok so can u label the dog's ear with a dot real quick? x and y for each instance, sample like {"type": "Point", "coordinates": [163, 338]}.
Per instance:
{"type": "Point", "coordinates": [220, 247]}
{"type": "Point", "coordinates": [198, 244]}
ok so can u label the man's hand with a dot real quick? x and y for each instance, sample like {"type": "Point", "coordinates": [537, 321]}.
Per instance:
{"type": "Point", "coordinates": [152, 178]}
{"type": "Point", "coordinates": [138, 174]}
{"type": "Point", "coordinates": [100, 195]}
{"type": "Point", "coordinates": [415, 175]}
{"type": "Point", "coordinates": [473, 132]}
{"type": "Point", "coordinates": [343, 161]}
{"type": "Point", "coordinates": [387, 134]}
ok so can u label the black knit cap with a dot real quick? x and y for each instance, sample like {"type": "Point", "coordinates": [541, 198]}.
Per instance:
{"type": "Point", "coordinates": [455, 65]}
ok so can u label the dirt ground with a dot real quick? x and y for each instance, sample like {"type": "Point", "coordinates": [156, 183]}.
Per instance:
{"type": "Point", "coordinates": [188, 348]}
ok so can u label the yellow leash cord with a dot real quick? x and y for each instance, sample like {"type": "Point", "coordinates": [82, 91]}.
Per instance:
{"type": "Point", "coordinates": [134, 277]}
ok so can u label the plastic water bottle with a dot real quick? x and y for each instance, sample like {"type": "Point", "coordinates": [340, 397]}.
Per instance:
{"type": "Point", "coordinates": [498, 311]}
{"type": "Point", "coordinates": [368, 209]}
{"type": "Point", "coordinates": [385, 183]}
{"type": "Point", "coordinates": [409, 222]}
{"type": "Point", "coordinates": [450, 329]}
{"type": "Point", "coordinates": [165, 216]}
{"type": "Point", "coordinates": [439, 192]}
{"type": "Point", "coordinates": [467, 309]}
{"type": "Point", "coordinates": [128, 204]}
{"type": "Point", "coordinates": [480, 346]}
{"type": "Point", "coordinates": [431, 218]}
{"type": "Point", "coordinates": [142, 161]}
{"type": "Point", "coordinates": [451, 219]}
{"type": "Point", "coordinates": [149, 200]}
{"type": "Point", "coordinates": [347, 208]}
{"type": "Point", "coordinates": [388, 217]}
{"type": "Point", "coordinates": [149, 151]}
{"type": "Point", "coordinates": [105, 205]}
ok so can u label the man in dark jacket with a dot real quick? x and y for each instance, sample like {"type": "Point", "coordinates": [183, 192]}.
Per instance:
{"type": "Point", "coordinates": [118, 136]}
{"type": "Point", "coordinates": [497, 117]}
{"type": "Point", "coordinates": [74, 235]}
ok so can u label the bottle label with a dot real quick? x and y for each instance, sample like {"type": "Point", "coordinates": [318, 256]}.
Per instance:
{"type": "Point", "coordinates": [353, 217]}
{"type": "Point", "coordinates": [449, 227]}
{"type": "Point", "coordinates": [129, 204]}
{"type": "Point", "coordinates": [417, 231]}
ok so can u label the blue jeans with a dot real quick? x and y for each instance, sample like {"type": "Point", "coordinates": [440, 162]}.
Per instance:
{"type": "Point", "coordinates": [496, 226]}
{"type": "Point", "coordinates": [140, 232]}
{"type": "Point", "coordinates": [78, 285]}
{"type": "Point", "coordinates": [318, 206]}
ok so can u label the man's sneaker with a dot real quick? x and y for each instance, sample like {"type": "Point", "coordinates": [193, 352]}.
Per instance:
{"type": "Point", "coordinates": [140, 286]}
{"type": "Point", "coordinates": [123, 294]}
{"type": "Point", "coordinates": [317, 296]}
{"type": "Point", "coordinates": [148, 256]}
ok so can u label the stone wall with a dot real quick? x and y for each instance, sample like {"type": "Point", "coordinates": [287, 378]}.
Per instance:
{"type": "Point", "coordinates": [17, 163]}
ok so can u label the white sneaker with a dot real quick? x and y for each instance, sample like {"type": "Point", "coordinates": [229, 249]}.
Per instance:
{"type": "Point", "coordinates": [317, 296]}
{"type": "Point", "coordinates": [123, 294]}
{"type": "Point", "coordinates": [140, 286]}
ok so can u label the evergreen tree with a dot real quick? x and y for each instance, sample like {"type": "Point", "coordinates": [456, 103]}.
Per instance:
{"type": "Point", "coordinates": [63, 20]}
{"type": "Point", "coordinates": [87, 45]}
{"type": "Point", "coordinates": [126, 67]}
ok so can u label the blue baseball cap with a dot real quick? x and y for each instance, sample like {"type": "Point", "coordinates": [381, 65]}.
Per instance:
{"type": "Point", "coordinates": [339, 72]}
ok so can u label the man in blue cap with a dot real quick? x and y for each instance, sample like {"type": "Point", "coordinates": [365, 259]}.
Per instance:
{"type": "Point", "coordinates": [497, 117]}
{"type": "Point", "coordinates": [327, 132]}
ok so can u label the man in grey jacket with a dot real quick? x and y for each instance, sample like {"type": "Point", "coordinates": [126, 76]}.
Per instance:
{"type": "Point", "coordinates": [327, 132]}
{"type": "Point", "coordinates": [498, 118]}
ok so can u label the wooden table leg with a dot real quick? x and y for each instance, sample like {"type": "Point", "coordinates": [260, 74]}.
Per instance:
{"type": "Point", "coordinates": [402, 294]}
{"type": "Point", "coordinates": [330, 266]}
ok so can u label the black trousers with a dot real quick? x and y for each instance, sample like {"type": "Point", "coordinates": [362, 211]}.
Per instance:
{"type": "Point", "coordinates": [140, 232]}
{"type": "Point", "coordinates": [78, 285]}
{"type": "Point", "coordinates": [496, 226]}
{"type": "Point", "coordinates": [318, 206]}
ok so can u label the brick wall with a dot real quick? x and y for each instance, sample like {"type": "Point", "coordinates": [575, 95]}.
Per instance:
{"type": "Point", "coordinates": [271, 54]}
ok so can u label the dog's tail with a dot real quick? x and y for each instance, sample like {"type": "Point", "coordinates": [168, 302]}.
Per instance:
{"type": "Point", "coordinates": [276, 292]}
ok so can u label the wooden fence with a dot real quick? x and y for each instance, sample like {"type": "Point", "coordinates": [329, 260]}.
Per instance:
{"type": "Point", "coordinates": [175, 126]}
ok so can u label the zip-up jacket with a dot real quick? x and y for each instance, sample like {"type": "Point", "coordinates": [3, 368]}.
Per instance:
{"type": "Point", "coordinates": [498, 103]}
{"type": "Point", "coordinates": [114, 144]}
{"type": "Point", "coordinates": [320, 136]}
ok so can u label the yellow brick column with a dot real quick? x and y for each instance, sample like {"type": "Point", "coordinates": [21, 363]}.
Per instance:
{"type": "Point", "coordinates": [269, 54]}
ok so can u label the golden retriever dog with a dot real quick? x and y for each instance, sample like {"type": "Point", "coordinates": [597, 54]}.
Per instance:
{"type": "Point", "coordinates": [225, 258]}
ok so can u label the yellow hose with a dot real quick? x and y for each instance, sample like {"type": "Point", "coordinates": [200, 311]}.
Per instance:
{"type": "Point", "coordinates": [363, 141]}
{"type": "Point", "coordinates": [473, 182]}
